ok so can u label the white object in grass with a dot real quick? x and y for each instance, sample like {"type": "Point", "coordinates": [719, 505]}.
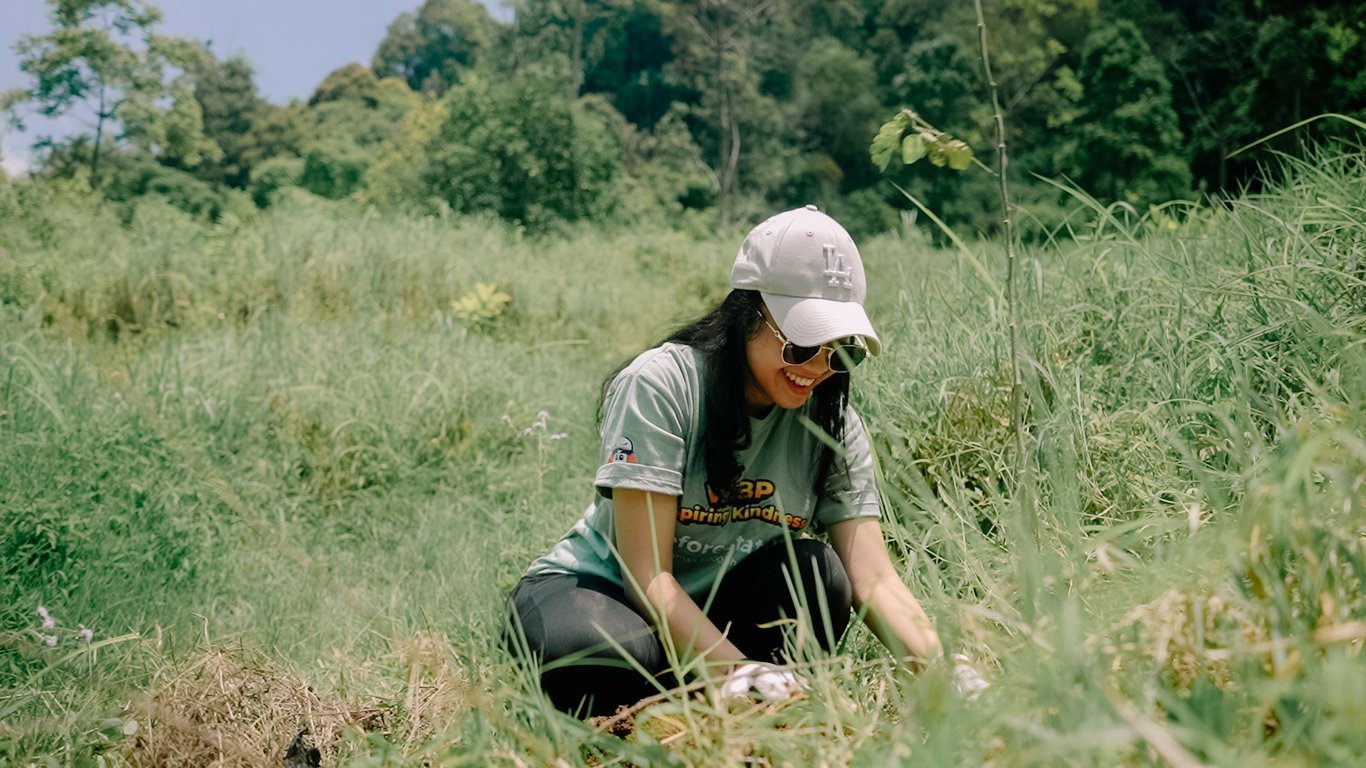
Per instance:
{"type": "Point", "coordinates": [756, 679]}
{"type": "Point", "coordinates": [966, 679]}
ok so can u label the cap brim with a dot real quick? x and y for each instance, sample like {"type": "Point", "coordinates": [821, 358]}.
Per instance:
{"type": "Point", "coordinates": [810, 322]}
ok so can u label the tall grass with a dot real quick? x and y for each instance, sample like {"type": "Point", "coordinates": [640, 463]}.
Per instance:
{"type": "Point", "coordinates": [276, 450]}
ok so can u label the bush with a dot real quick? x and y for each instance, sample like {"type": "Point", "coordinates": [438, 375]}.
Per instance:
{"type": "Point", "coordinates": [866, 212]}
{"type": "Point", "coordinates": [268, 178]}
{"type": "Point", "coordinates": [522, 151]}
{"type": "Point", "coordinates": [334, 168]}
{"type": "Point", "coordinates": [143, 177]}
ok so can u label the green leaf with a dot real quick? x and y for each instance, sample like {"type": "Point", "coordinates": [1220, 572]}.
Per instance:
{"type": "Point", "coordinates": [885, 143]}
{"type": "Point", "coordinates": [959, 155]}
{"type": "Point", "coordinates": [912, 149]}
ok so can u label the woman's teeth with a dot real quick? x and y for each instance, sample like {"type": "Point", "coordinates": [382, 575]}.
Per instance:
{"type": "Point", "coordinates": [798, 380]}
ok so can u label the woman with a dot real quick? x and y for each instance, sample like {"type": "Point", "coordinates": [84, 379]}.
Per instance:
{"type": "Point", "coordinates": [716, 463]}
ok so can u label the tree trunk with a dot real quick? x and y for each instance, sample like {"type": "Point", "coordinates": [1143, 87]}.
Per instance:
{"type": "Point", "coordinates": [100, 115]}
{"type": "Point", "coordinates": [725, 173]}
{"type": "Point", "coordinates": [576, 50]}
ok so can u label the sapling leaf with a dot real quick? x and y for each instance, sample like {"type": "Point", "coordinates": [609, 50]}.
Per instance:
{"type": "Point", "coordinates": [885, 143]}
{"type": "Point", "coordinates": [959, 155]}
{"type": "Point", "coordinates": [912, 149]}
{"type": "Point", "coordinates": [918, 139]}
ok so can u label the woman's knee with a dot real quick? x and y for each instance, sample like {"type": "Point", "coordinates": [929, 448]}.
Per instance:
{"type": "Point", "coordinates": [571, 618]}
{"type": "Point", "coordinates": [588, 647]}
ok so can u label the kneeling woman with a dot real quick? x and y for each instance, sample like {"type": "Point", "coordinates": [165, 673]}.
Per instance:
{"type": "Point", "coordinates": [712, 474]}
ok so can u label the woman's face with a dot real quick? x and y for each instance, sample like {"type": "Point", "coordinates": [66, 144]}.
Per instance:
{"type": "Point", "coordinates": [774, 382]}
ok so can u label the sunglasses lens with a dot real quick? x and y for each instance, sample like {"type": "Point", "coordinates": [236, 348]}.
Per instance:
{"type": "Point", "coordinates": [795, 355]}
{"type": "Point", "coordinates": [845, 356]}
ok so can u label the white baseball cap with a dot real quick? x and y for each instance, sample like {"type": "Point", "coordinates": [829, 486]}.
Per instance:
{"type": "Point", "coordinates": [809, 273]}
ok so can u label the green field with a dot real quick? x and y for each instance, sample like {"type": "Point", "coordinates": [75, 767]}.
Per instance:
{"type": "Point", "coordinates": [287, 467]}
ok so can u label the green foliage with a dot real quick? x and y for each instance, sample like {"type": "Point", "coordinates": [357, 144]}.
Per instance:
{"type": "Point", "coordinates": [662, 176]}
{"type": "Point", "coordinates": [1125, 143]}
{"type": "Point", "coordinates": [940, 76]}
{"type": "Point", "coordinates": [482, 306]}
{"type": "Point", "coordinates": [395, 180]}
{"type": "Point", "coordinates": [231, 109]}
{"type": "Point", "coordinates": [866, 213]}
{"type": "Point", "coordinates": [560, 40]}
{"type": "Point", "coordinates": [432, 49]}
{"type": "Point", "coordinates": [1135, 100]}
{"type": "Point", "coordinates": [628, 60]}
{"type": "Point", "coordinates": [836, 107]}
{"type": "Point", "coordinates": [175, 134]}
{"type": "Point", "coordinates": [144, 530]}
{"type": "Point", "coordinates": [280, 131]}
{"type": "Point", "coordinates": [908, 138]}
{"type": "Point", "coordinates": [740, 126]}
{"type": "Point", "coordinates": [143, 177]}
{"type": "Point", "coordinates": [352, 82]}
{"type": "Point", "coordinates": [352, 104]}
{"type": "Point", "coordinates": [269, 177]}
{"type": "Point", "coordinates": [522, 152]}
{"type": "Point", "coordinates": [334, 168]}
{"type": "Point", "coordinates": [103, 60]}
{"type": "Point", "coordinates": [1243, 71]}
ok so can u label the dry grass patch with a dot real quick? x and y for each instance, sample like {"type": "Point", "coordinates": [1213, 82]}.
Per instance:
{"type": "Point", "coordinates": [435, 693]}
{"type": "Point", "coordinates": [234, 707]}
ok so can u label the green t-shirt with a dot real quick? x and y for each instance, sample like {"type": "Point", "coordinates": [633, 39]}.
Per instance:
{"type": "Point", "coordinates": [652, 441]}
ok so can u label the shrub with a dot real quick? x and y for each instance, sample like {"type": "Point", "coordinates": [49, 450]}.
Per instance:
{"type": "Point", "coordinates": [271, 176]}
{"type": "Point", "coordinates": [334, 168]}
{"type": "Point", "coordinates": [144, 177]}
{"type": "Point", "coordinates": [522, 151]}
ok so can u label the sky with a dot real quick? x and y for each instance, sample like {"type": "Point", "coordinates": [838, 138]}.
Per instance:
{"type": "Point", "coordinates": [292, 44]}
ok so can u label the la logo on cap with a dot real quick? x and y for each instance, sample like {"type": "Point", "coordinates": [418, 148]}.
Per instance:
{"type": "Point", "coordinates": [840, 276]}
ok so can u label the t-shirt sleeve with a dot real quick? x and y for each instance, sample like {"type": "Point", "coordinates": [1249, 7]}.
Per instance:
{"type": "Point", "coordinates": [851, 488]}
{"type": "Point", "coordinates": [644, 430]}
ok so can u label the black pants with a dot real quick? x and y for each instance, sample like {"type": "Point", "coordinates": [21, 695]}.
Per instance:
{"type": "Point", "coordinates": [564, 621]}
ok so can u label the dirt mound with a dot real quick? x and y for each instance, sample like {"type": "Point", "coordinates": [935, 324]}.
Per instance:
{"type": "Point", "coordinates": [237, 708]}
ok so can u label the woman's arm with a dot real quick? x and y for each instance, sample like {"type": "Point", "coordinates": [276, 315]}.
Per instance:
{"type": "Point", "coordinates": [645, 533]}
{"type": "Point", "coordinates": [892, 612]}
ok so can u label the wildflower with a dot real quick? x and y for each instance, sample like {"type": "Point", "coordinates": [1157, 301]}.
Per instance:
{"type": "Point", "coordinates": [559, 436]}
{"type": "Point", "coordinates": [50, 640]}
{"type": "Point", "coordinates": [86, 634]}
{"type": "Point", "coordinates": [48, 621]}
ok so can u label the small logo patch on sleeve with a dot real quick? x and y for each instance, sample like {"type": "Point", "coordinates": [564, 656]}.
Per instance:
{"type": "Point", "coordinates": [624, 450]}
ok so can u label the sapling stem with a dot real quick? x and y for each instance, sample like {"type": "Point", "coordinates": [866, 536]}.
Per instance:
{"type": "Point", "coordinates": [1025, 498]}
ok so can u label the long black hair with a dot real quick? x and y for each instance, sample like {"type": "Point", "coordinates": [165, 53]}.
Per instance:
{"type": "Point", "coordinates": [720, 337]}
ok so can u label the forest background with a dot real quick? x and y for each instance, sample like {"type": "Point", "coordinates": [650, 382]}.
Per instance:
{"type": "Point", "coordinates": [701, 114]}
{"type": "Point", "coordinates": [291, 395]}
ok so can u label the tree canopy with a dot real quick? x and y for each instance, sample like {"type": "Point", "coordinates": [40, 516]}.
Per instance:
{"type": "Point", "coordinates": [723, 107]}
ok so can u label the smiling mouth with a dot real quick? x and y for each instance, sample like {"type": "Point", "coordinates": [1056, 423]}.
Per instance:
{"type": "Point", "coordinates": [800, 381]}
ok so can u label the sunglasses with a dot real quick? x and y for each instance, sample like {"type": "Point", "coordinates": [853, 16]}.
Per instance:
{"type": "Point", "coordinates": [844, 354]}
